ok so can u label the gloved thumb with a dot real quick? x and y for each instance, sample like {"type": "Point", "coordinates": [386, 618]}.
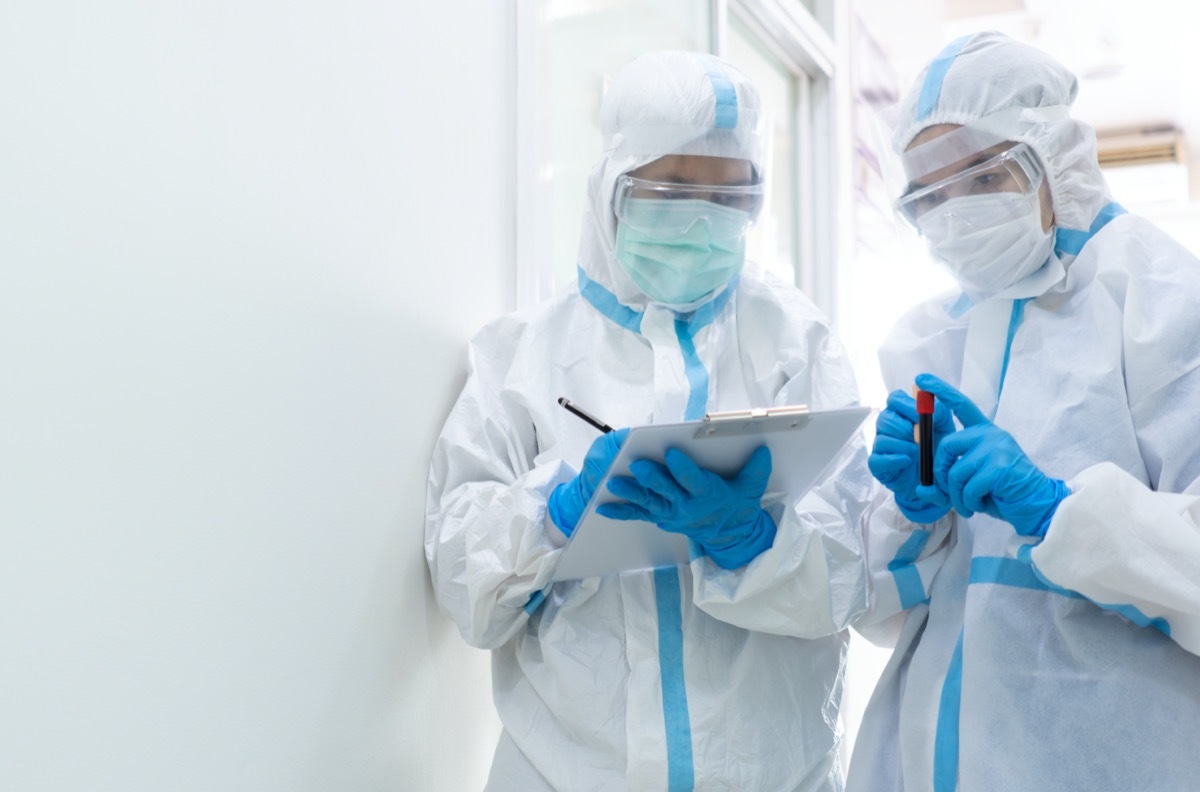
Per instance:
{"type": "Point", "coordinates": [753, 477]}
{"type": "Point", "coordinates": [613, 440]}
{"type": "Point", "coordinates": [931, 493]}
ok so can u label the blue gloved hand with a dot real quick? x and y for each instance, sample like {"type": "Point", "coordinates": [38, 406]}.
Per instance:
{"type": "Point", "coordinates": [895, 458]}
{"type": "Point", "coordinates": [983, 469]}
{"type": "Point", "coordinates": [569, 499]}
{"type": "Point", "coordinates": [724, 516]}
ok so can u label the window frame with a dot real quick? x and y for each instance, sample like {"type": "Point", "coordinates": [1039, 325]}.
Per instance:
{"type": "Point", "coordinates": [797, 39]}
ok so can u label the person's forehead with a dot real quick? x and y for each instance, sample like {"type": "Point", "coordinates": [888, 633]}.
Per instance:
{"type": "Point", "coordinates": [930, 133]}
{"type": "Point", "coordinates": [928, 137]}
{"type": "Point", "coordinates": [696, 169]}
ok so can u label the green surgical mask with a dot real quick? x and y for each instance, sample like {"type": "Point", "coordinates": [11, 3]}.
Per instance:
{"type": "Point", "coordinates": [677, 251]}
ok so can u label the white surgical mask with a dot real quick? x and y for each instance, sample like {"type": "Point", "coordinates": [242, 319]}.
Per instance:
{"type": "Point", "coordinates": [677, 251]}
{"type": "Point", "coordinates": [989, 242]}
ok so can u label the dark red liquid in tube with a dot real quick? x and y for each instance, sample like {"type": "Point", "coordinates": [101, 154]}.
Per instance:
{"type": "Point", "coordinates": [925, 435]}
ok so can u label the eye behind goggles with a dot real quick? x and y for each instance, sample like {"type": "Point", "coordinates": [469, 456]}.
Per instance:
{"type": "Point", "coordinates": [1014, 170]}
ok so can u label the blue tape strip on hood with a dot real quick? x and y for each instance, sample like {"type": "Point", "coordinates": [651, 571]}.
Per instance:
{"type": "Point", "coordinates": [935, 75]}
{"type": "Point", "coordinates": [725, 95]}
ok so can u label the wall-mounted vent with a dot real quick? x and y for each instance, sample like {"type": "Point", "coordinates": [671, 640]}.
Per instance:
{"type": "Point", "coordinates": [1118, 148]}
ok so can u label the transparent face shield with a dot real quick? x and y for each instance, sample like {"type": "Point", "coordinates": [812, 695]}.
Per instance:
{"type": "Point", "coordinates": [973, 194]}
{"type": "Point", "coordinates": [1004, 168]}
{"type": "Point", "coordinates": [933, 168]}
{"type": "Point", "coordinates": [677, 207]}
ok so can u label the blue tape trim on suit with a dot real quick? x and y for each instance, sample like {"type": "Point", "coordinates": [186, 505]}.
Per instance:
{"type": "Point", "coordinates": [1069, 241]}
{"type": "Point", "coordinates": [1009, 572]}
{"type": "Point", "coordinates": [680, 767]}
{"type": "Point", "coordinates": [1131, 612]}
{"type": "Point", "coordinates": [681, 772]}
{"type": "Point", "coordinates": [607, 303]}
{"type": "Point", "coordinates": [1014, 321]}
{"type": "Point", "coordinates": [1017, 572]}
{"type": "Point", "coordinates": [697, 374]}
{"type": "Point", "coordinates": [703, 316]}
{"type": "Point", "coordinates": [959, 306]}
{"type": "Point", "coordinates": [726, 116]}
{"type": "Point", "coordinates": [906, 576]}
{"type": "Point", "coordinates": [535, 601]}
{"type": "Point", "coordinates": [945, 741]}
{"type": "Point", "coordinates": [686, 327]}
{"type": "Point", "coordinates": [935, 75]}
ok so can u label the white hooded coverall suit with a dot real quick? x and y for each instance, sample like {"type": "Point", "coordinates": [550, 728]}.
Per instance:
{"type": "Point", "coordinates": [1067, 662]}
{"type": "Point", "coordinates": [688, 678]}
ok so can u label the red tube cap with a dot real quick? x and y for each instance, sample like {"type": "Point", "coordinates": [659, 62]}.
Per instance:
{"type": "Point", "coordinates": [924, 403]}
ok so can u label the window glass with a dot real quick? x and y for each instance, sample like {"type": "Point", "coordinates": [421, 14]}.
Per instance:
{"type": "Point", "coordinates": [822, 11]}
{"type": "Point", "coordinates": [591, 40]}
{"type": "Point", "coordinates": [773, 240]}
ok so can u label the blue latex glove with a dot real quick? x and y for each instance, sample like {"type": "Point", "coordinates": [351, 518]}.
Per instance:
{"type": "Point", "coordinates": [569, 499]}
{"type": "Point", "coordinates": [983, 469]}
{"type": "Point", "coordinates": [724, 516]}
{"type": "Point", "coordinates": [895, 458]}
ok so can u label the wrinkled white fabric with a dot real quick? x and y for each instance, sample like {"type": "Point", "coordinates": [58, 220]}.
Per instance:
{"type": "Point", "coordinates": [1117, 541]}
{"type": "Point", "coordinates": [579, 680]}
{"type": "Point", "coordinates": [1068, 662]}
{"type": "Point", "coordinates": [988, 242]}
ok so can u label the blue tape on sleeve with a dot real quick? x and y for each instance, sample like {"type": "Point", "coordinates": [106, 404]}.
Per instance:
{"type": "Point", "coordinates": [908, 580]}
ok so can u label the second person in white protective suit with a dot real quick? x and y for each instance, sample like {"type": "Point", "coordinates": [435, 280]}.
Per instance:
{"type": "Point", "coordinates": [1050, 576]}
{"type": "Point", "coordinates": [723, 674]}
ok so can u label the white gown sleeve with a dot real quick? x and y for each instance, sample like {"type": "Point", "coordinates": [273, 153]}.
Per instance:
{"type": "Point", "coordinates": [902, 559]}
{"type": "Point", "coordinates": [1128, 549]}
{"type": "Point", "coordinates": [811, 581]}
{"type": "Point", "coordinates": [489, 542]}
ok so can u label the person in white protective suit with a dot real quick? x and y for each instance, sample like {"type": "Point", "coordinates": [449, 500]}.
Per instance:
{"type": "Point", "coordinates": [723, 674]}
{"type": "Point", "coordinates": [1047, 584]}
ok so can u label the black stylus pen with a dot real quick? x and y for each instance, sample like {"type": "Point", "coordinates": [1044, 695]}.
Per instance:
{"type": "Point", "coordinates": [596, 422]}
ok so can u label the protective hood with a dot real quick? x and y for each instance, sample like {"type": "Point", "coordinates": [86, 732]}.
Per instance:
{"type": "Point", "coordinates": [659, 104]}
{"type": "Point", "coordinates": [1012, 91]}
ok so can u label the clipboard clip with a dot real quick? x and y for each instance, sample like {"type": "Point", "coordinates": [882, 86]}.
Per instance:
{"type": "Point", "coordinates": [757, 412]}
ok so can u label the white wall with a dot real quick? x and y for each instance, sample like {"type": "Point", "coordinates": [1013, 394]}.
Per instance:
{"type": "Point", "coordinates": [242, 246]}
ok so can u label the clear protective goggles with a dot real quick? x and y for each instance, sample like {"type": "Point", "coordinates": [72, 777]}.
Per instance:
{"type": "Point", "coordinates": [1015, 170]}
{"type": "Point", "coordinates": [747, 198]}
